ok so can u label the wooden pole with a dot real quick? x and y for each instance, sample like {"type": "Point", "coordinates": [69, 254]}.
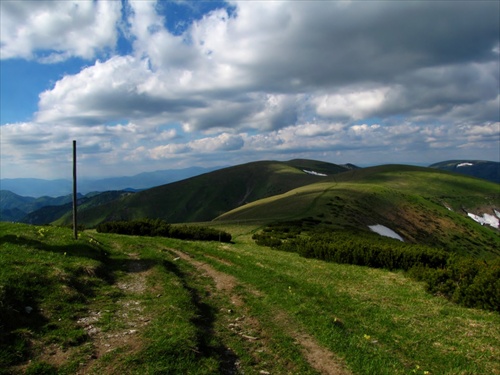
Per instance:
{"type": "Point", "coordinates": [75, 230]}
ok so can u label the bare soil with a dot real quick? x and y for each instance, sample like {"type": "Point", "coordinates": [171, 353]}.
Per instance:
{"type": "Point", "coordinates": [128, 311]}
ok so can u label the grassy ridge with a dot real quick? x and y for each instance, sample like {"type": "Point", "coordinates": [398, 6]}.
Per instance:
{"type": "Point", "coordinates": [488, 170]}
{"type": "Point", "coordinates": [423, 205]}
{"type": "Point", "coordinates": [207, 196]}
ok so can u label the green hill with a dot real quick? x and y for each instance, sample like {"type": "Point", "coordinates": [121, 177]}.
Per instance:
{"type": "Point", "coordinates": [51, 213]}
{"type": "Point", "coordinates": [204, 197]}
{"type": "Point", "coordinates": [422, 205]}
{"type": "Point", "coordinates": [14, 207]}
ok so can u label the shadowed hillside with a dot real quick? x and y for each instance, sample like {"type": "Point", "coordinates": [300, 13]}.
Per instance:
{"type": "Point", "coordinates": [488, 170]}
{"type": "Point", "coordinates": [204, 197]}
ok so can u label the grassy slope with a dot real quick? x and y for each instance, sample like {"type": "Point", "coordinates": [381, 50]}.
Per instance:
{"type": "Point", "coordinates": [207, 196]}
{"type": "Point", "coordinates": [423, 205]}
{"type": "Point", "coordinates": [63, 215]}
{"type": "Point", "coordinates": [375, 321]}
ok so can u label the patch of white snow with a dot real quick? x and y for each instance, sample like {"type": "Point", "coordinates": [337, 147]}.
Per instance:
{"type": "Point", "coordinates": [464, 165]}
{"type": "Point", "coordinates": [497, 213]}
{"type": "Point", "coordinates": [315, 173]}
{"type": "Point", "coordinates": [384, 231]}
{"type": "Point", "coordinates": [486, 219]}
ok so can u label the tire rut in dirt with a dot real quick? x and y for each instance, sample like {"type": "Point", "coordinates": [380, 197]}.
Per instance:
{"type": "Point", "coordinates": [204, 320]}
{"type": "Point", "coordinates": [319, 357]}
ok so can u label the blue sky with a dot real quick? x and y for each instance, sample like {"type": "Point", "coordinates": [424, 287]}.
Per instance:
{"type": "Point", "coordinates": [149, 85]}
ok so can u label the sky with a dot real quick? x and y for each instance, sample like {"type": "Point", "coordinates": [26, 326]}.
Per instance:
{"type": "Point", "coordinates": [154, 85]}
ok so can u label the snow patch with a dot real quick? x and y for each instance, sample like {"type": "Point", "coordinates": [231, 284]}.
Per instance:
{"type": "Point", "coordinates": [464, 165]}
{"type": "Point", "coordinates": [487, 219]}
{"type": "Point", "coordinates": [384, 231]}
{"type": "Point", "coordinates": [315, 173]}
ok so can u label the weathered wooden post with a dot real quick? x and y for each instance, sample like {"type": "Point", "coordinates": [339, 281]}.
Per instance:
{"type": "Point", "coordinates": [75, 230]}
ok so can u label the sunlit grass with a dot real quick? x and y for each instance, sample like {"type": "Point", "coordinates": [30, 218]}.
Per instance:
{"type": "Point", "coordinates": [384, 316]}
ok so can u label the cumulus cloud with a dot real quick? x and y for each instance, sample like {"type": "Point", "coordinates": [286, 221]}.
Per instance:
{"type": "Point", "coordinates": [226, 70]}
{"type": "Point", "coordinates": [108, 91]}
{"type": "Point", "coordinates": [355, 104]}
{"type": "Point", "coordinates": [52, 31]}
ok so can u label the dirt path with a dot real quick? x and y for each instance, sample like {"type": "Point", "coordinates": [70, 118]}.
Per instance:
{"type": "Point", "coordinates": [129, 311]}
{"type": "Point", "coordinates": [320, 358]}
{"type": "Point", "coordinates": [130, 314]}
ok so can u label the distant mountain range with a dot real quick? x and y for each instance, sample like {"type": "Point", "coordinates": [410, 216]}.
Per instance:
{"type": "Point", "coordinates": [34, 187]}
{"type": "Point", "coordinates": [488, 170]}
{"type": "Point", "coordinates": [15, 207]}
{"type": "Point", "coordinates": [256, 179]}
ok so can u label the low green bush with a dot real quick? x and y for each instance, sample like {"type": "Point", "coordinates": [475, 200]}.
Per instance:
{"type": "Point", "coordinates": [143, 227]}
{"type": "Point", "coordinates": [466, 281]}
{"type": "Point", "coordinates": [363, 252]}
{"type": "Point", "coordinates": [265, 239]}
{"type": "Point", "coordinates": [158, 227]}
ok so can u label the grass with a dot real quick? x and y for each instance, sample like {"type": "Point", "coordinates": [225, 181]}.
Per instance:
{"type": "Point", "coordinates": [45, 282]}
{"type": "Point", "coordinates": [422, 205]}
{"type": "Point", "coordinates": [389, 324]}
{"type": "Point", "coordinates": [162, 314]}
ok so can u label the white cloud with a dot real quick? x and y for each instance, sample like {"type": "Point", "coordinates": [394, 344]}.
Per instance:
{"type": "Point", "coordinates": [222, 142]}
{"type": "Point", "coordinates": [355, 104]}
{"type": "Point", "coordinates": [166, 151]}
{"type": "Point", "coordinates": [225, 72]}
{"type": "Point", "coordinates": [314, 129]}
{"type": "Point", "coordinates": [53, 31]}
{"type": "Point", "coordinates": [103, 92]}
{"type": "Point", "coordinates": [483, 136]}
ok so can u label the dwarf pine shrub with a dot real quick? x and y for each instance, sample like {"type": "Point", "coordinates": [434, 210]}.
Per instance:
{"type": "Point", "coordinates": [468, 282]}
{"type": "Point", "coordinates": [158, 227]}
